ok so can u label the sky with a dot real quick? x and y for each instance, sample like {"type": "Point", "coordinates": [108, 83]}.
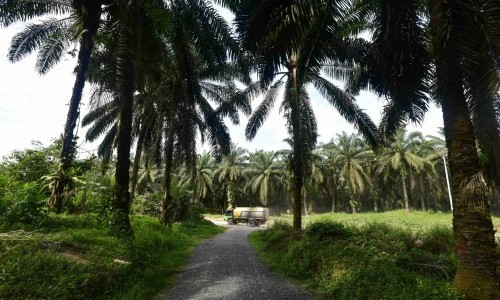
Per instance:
{"type": "Point", "coordinates": [34, 108]}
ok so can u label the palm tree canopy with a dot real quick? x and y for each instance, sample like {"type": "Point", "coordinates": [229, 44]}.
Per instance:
{"type": "Point", "coordinates": [262, 171]}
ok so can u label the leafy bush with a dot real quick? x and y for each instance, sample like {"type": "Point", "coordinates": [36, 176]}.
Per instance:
{"type": "Point", "coordinates": [194, 214]}
{"type": "Point", "coordinates": [27, 205]}
{"type": "Point", "coordinates": [147, 204]}
{"type": "Point", "coordinates": [437, 240]}
{"type": "Point", "coordinates": [372, 261]}
{"type": "Point", "coordinates": [321, 231]}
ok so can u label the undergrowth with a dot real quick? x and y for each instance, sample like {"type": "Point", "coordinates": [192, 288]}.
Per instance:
{"type": "Point", "coordinates": [75, 257]}
{"type": "Point", "coordinates": [369, 261]}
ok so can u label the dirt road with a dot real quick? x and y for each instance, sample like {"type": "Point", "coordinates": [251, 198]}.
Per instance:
{"type": "Point", "coordinates": [226, 267]}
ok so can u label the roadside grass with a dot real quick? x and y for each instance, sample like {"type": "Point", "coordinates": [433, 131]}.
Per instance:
{"type": "Point", "coordinates": [414, 221]}
{"type": "Point", "coordinates": [75, 257]}
{"type": "Point", "coordinates": [365, 256]}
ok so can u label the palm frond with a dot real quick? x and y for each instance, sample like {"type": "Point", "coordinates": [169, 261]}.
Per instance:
{"type": "Point", "coordinates": [260, 114]}
{"type": "Point", "coordinates": [107, 144]}
{"type": "Point", "coordinates": [12, 11]}
{"type": "Point", "coordinates": [50, 54]}
{"type": "Point", "coordinates": [346, 106]}
{"type": "Point", "coordinates": [34, 35]}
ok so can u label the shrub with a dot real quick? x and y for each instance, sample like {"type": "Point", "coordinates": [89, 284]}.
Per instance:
{"type": "Point", "coordinates": [438, 240]}
{"type": "Point", "coordinates": [194, 214]}
{"type": "Point", "coordinates": [326, 231]}
{"type": "Point", "coordinates": [426, 264]}
{"type": "Point", "coordinates": [27, 206]}
{"type": "Point", "coordinates": [372, 261]}
{"type": "Point", "coordinates": [148, 204]}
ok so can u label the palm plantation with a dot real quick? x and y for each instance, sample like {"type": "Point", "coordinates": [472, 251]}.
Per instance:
{"type": "Point", "coordinates": [401, 157]}
{"type": "Point", "coordinates": [165, 72]}
{"type": "Point", "coordinates": [290, 70]}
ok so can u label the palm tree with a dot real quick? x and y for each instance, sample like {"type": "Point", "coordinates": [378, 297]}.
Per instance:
{"type": "Point", "coordinates": [314, 181]}
{"type": "Point", "coordinates": [351, 153]}
{"type": "Point", "coordinates": [291, 56]}
{"type": "Point", "coordinates": [129, 20]}
{"type": "Point", "coordinates": [330, 153]}
{"type": "Point", "coordinates": [201, 179]}
{"type": "Point", "coordinates": [263, 173]}
{"type": "Point", "coordinates": [401, 156]}
{"type": "Point", "coordinates": [52, 36]}
{"type": "Point", "coordinates": [197, 46]}
{"type": "Point", "coordinates": [230, 170]}
{"type": "Point", "coordinates": [465, 43]}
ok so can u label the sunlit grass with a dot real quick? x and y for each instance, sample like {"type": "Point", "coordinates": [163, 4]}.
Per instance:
{"type": "Point", "coordinates": [365, 256]}
{"type": "Point", "coordinates": [75, 257]}
{"type": "Point", "coordinates": [415, 219]}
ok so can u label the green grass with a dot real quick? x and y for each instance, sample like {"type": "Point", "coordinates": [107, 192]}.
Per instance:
{"type": "Point", "coordinates": [75, 257]}
{"type": "Point", "coordinates": [365, 256]}
{"type": "Point", "coordinates": [415, 220]}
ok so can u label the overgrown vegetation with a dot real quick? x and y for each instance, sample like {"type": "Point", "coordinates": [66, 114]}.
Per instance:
{"type": "Point", "coordinates": [368, 260]}
{"type": "Point", "coordinates": [76, 257]}
{"type": "Point", "coordinates": [418, 52]}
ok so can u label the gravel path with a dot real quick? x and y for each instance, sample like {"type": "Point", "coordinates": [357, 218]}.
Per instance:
{"type": "Point", "coordinates": [226, 267]}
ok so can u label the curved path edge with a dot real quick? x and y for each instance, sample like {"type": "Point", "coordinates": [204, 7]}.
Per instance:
{"type": "Point", "coordinates": [227, 267]}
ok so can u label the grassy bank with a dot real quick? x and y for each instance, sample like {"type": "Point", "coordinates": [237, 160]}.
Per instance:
{"type": "Point", "coordinates": [76, 257]}
{"type": "Point", "coordinates": [365, 256]}
{"type": "Point", "coordinates": [414, 221]}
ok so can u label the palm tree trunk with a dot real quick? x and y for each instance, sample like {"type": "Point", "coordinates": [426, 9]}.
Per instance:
{"type": "Point", "coordinates": [166, 207]}
{"type": "Point", "coordinates": [92, 11]}
{"type": "Point", "coordinates": [422, 203]}
{"type": "Point", "coordinates": [472, 226]}
{"type": "Point", "coordinates": [304, 195]}
{"type": "Point", "coordinates": [121, 201]}
{"type": "Point", "coordinates": [137, 164]}
{"type": "Point", "coordinates": [230, 194]}
{"type": "Point", "coordinates": [405, 197]}
{"type": "Point", "coordinates": [297, 205]}
{"type": "Point", "coordinates": [332, 191]}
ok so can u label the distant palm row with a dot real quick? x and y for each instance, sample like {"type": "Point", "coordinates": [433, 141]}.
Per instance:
{"type": "Point", "coordinates": [346, 176]}
{"type": "Point", "coordinates": [163, 71]}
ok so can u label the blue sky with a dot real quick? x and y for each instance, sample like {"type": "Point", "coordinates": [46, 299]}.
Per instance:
{"type": "Point", "coordinates": [34, 107]}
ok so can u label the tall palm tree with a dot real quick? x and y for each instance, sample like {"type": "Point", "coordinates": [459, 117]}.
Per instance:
{"type": "Point", "coordinates": [131, 27]}
{"type": "Point", "coordinates": [314, 181]}
{"type": "Point", "coordinates": [292, 48]}
{"type": "Point", "coordinates": [331, 155]}
{"type": "Point", "coordinates": [230, 170]}
{"type": "Point", "coordinates": [401, 156]}
{"type": "Point", "coordinates": [465, 43]}
{"type": "Point", "coordinates": [352, 152]}
{"type": "Point", "coordinates": [263, 173]}
{"type": "Point", "coordinates": [201, 179]}
{"type": "Point", "coordinates": [52, 36]}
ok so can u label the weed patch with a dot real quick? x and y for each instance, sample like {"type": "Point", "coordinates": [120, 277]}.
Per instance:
{"type": "Point", "coordinates": [75, 257]}
{"type": "Point", "coordinates": [366, 260]}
